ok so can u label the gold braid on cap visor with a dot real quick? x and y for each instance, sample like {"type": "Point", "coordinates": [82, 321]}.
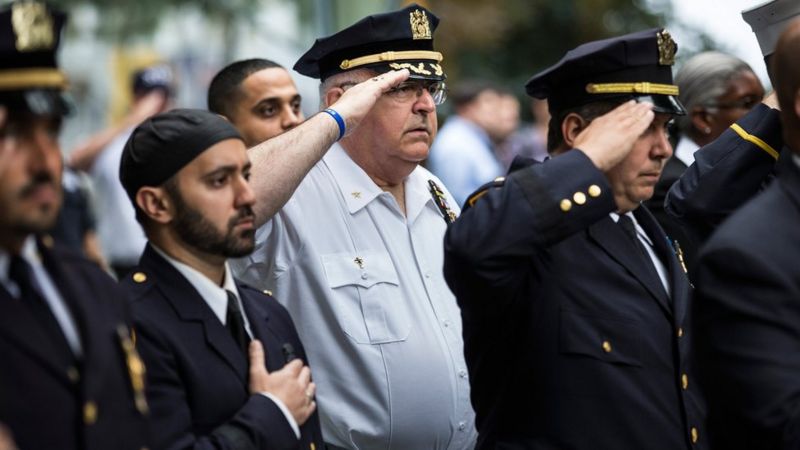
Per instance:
{"type": "Point", "coordinates": [632, 88]}
{"type": "Point", "coordinates": [32, 78]}
{"type": "Point", "coordinates": [390, 56]}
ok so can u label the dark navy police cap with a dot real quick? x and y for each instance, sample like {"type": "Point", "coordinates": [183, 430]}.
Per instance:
{"type": "Point", "coordinates": [29, 77]}
{"type": "Point", "coordinates": [634, 66]}
{"type": "Point", "coordinates": [157, 77]}
{"type": "Point", "coordinates": [391, 41]}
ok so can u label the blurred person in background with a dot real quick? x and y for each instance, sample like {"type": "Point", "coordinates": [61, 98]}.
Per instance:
{"type": "Point", "coordinates": [121, 238]}
{"type": "Point", "coordinates": [70, 378]}
{"type": "Point", "coordinates": [462, 155]}
{"type": "Point", "coordinates": [76, 225]}
{"type": "Point", "coordinates": [531, 140]}
{"type": "Point", "coordinates": [258, 96]}
{"type": "Point", "coordinates": [717, 90]}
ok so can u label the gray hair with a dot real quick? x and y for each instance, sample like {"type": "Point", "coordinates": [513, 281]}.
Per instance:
{"type": "Point", "coordinates": [703, 79]}
{"type": "Point", "coordinates": [350, 77]}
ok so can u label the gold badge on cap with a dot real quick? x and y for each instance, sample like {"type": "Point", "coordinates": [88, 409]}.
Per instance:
{"type": "Point", "coordinates": [666, 48]}
{"type": "Point", "coordinates": [32, 25]}
{"type": "Point", "coordinates": [420, 28]}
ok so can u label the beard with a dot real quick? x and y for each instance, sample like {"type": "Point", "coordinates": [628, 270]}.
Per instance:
{"type": "Point", "coordinates": [201, 234]}
{"type": "Point", "coordinates": [23, 218]}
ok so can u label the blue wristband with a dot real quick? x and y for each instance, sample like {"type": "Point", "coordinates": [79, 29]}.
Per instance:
{"type": "Point", "coordinates": [338, 119]}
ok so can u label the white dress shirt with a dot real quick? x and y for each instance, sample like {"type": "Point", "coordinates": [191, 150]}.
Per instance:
{"type": "Point", "coordinates": [216, 298]}
{"type": "Point", "coordinates": [364, 285]}
{"type": "Point", "coordinates": [48, 290]}
{"type": "Point", "coordinates": [648, 245]}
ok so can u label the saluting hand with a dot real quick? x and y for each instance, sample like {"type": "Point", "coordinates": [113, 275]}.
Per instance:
{"type": "Point", "coordinates": [357, 101]}
{"type": "Point", "coordinates": [291, 384]}
{"type": "Point", "coordinates": [610, 137]}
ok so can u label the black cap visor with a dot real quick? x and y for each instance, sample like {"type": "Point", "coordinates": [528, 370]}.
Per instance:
{"type": "Point", "coordinates": [667, 104]}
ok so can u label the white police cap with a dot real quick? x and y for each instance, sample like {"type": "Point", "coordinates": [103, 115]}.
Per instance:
{"type": "Point", "coordinates": [769, 19]}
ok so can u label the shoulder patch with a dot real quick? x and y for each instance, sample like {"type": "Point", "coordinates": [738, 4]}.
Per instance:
{"type": "Point", "coordinates": [481, 191]}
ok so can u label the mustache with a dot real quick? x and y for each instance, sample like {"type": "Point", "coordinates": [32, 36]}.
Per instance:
{"type": "Point", "coordinates": [40, 179]}
{"type": "Point", "coordinates": [244, 213]}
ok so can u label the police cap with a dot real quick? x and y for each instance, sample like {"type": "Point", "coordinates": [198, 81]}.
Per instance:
{"type": "Point", "coordinates": [391, 41]}
{"type": "Point", "coordinates": [30, 80]}
{"type": "Point", "coordinates": [634, 66]}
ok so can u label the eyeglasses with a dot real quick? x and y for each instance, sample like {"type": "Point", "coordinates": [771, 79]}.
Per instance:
{"type": "Point", "coordinates": [749, 102]}
{"type": "Point", "coordinates": [409, 90]}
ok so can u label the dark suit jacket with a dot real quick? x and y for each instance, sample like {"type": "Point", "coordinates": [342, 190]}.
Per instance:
{"type": "Point", "coordinates": [570, 342]}
{"type": "Point", "coordinates": [747, 321]}
{"type": "Point", "coordinates": [726, 173]}
{"type": "Point", "coordinates": [197, 377]}
{"type": "Point", "coordinates": [672, 171]}
{"type": "Point", "coordinates": [48, 399]}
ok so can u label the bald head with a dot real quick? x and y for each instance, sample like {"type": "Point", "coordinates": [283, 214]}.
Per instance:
{"type": "Point", "coordinates": [786, 69]}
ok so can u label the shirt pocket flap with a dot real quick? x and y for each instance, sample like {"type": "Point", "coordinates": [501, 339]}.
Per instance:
{"type": "Point", "coordinates": [365, 269]}
{"type": "Point", "coordinates": [613, 340]}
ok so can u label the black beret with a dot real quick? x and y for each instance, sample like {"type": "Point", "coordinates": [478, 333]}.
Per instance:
{"type": "Point", "coordinates": [396, 40]}
{"type": "Point", "coordinates": [30, 80]}
{"type": "Point", "coordinates": [636, 65]}
{"type": "Point", "coordinates": [163, 144]}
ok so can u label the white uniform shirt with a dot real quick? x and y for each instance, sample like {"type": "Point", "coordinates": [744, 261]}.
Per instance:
{"type": "Point", "coordinates": [365, 288]}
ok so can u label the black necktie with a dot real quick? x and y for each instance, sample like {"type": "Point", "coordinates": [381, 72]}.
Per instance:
{"type": "Point", "coordinates": [235, 324]}
{"type": "Point", "coordinates": [21, 273]}
{"type": "Point", "coordinates": [627, 225]}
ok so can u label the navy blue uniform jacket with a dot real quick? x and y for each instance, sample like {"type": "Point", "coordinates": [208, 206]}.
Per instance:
{"type": "Point", "coordinates": [48, 399]}
{"type": "Point", "coordinates": [570, 342]}
{"type": "Point", "coordinates": [197, 376]}
{"type": "Point", "coordinates": [747, 321]}
{"type": "Point", "coordinates": [727, 173]}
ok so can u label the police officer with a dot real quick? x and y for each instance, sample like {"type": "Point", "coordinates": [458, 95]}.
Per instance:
{"type": "Point", "coordinates": [208, 340]}
{"type": "Point", "coordinates": [748, 290]}
{"type": "Point", "coordinates": [573, 300]}
{"type": "Point", "coordinates": [71, 378]}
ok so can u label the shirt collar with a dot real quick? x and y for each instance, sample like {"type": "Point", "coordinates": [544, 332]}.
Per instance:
{"type": "Point", "coordinates": [685, 149]}
{"type": "Point", "coordinates": [359, 190]}
{"type": "Point", "coordinates": [216, 297]}
{"type": "Point", "coordinates": [639, 230]}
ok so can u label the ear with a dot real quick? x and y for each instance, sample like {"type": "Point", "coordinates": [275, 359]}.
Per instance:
{"type": "Point", "coordinates": [333, 95]}
{"type": "Point", "coordinates": [571, 127]}
{"type": "Point", "coordinates": [156, 204]}
{"type": "Point", "coordinates": [702, 120]}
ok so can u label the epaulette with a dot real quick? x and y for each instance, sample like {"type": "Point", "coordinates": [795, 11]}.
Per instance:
{"type": "Point", "coordinates": [481, 191]}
